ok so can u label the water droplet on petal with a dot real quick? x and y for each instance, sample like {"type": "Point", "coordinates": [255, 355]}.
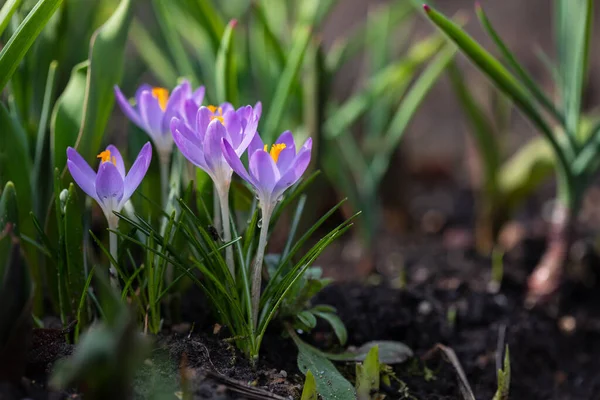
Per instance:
{"type": "Point", "coordinates": [260, 223]}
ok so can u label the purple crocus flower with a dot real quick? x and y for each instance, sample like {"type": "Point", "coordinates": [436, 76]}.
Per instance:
{"type": "Point", "coordinates": [155, 107]}
{"type": "Point", "coordinates": [271, 173]}
{"type": "Point", "coordinates": [111, 187]}
{"type": "Point", "coordinates": [200, 142]}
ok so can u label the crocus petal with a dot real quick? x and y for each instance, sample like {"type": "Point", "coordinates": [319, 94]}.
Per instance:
{"type": "Point", "coordinates": [152, 116]}
{"type": "Point", "coordinates": [138, 93]}
{"type": "Point", "coordinates": [235, 163]}
{"type": "Point", "coordinates": [109, 187]}
{"type": "Point", "coordinates": [288, 139]}
{"type": "Point", "coordinates": [84, 180]}
{"type": "Point", "coordinates": [198, 96]}
{"type": "Point", "coordinates": [234, 127]}
{"type": "Point", "coordinates": [137, 172]}
{"type": "Point", "coordinates": [264, 171]}
{"type": "Point", "coordinates": [127, 108]}
{"type": "Point", "coordinates": [175, 103]}
{"type": "Point", "coordinates": [114, 152]}
{"type": "Point", "coordinates": [255, 144]}
{"type": "Point", "coordinates": [294, 173]}
{"type": "Point", "coordinates": [202, 121]}
{"type": "Point", "coordinates": [213, 154]}
{"type": "Point", "coordinates": [188, 148]}
{"type": "Point", "coordinates": [80, 163]}
{"type": "Point", "coordinates": [190, 109]}
{"type": "Point", "coordinates": [186, 131]}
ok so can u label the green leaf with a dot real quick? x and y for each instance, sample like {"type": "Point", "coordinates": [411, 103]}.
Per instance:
{"type": "Point", "coordinates": [573, 22]}
{"type": "Point", "coordinates": [407, 109]}
{"type": "Point", "coordinates": [18, 44]}
{"type": "Point", "coordinates": [107, 52]}
{"type": "Point", "coordinates": [503, 376]}
{"type": "Point", "coordinates": [75, 272]}
{"type": "Point", "coordinates": [153, 55]}
{"type": "Point", "coordinates": [208, 17]}
{"type": "Point", "coordinates": [336, 323]}
{"type": "Point", "coordinates": [290, 73]}
{"type": "Point", "coordinates": [15, 165]}
{"type": "Point", "coordinates": [225, 68]}
{"type": "Point", "coordinates": [510, 58]}
{"type": "Point", "coordinates": [167, 22]}
{"type": "Point", "coordinates": [67, 115]}
{"type": "Point", "coordinates": [7, 11]}
{"type": "Point", "coordinates": [503, 79]}
{"type": "Point", "coordinates": [482, 129]}
{"type": "Point", "coordinates": [16, 297]}
{"type": "Point", "coordinates": [367, 375]}
{"type": "Point", "coordinates": [309, 392]}
{"type": "Point", "coordinates": [390, 352]}
{"type": "Point", "coordinates": [330, 383]}
{"type": "Point", "coordinates": [307, 318]}
{"type": "Point", "coordinates": [9, 223]}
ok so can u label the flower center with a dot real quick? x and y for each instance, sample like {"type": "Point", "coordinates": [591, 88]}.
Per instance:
{"type": "Point", "coordinates": [276, 149]}
{"type": "Point", "coordinates": [162, 95]}
{"type": "Point", "coordinates": [217, 113]}
{"type": "Point", "coordinates": [106, 157]}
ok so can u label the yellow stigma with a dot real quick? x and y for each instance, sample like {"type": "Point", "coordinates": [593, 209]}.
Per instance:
{"type": "Point", "coordinates": [218, 113]}
{"type": "Point", "coordinates": [106, 157]}
{"type": "Point", "coordinates": [276, 149]}
{"type": "Point", "coordinates": [162, 95]}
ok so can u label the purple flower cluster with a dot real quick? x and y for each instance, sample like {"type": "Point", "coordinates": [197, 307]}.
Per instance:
{"type": "Point", "coordinates": [213, 138]}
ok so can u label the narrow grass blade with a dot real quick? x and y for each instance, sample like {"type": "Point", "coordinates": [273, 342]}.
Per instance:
{"type": "Point", "coordinates": [43, 124]}
{"type": "Point", "coordinates": [407, 109]}
{"type": "Point", "coordinates": [153, 55]}
{"type": "Point", "coordinates": [289, 75]}
{"type": "Point", "coordinates": [503, 79]}
{"type": "Point", "coordinates": [226, 74]}
{"type": "Point", "coordinates": [510, 58]}
{"type": "Point", "coordinates": [6, 12]}
{"type": "Point", "coordinates": [18, 44]}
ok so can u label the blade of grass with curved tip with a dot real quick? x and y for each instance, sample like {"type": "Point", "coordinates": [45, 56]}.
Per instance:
{"type": "Point", "coordinates": [7, 11]}
{"type": "Point", "coordinates": [510, 58]}
{"type": "Point", "coordinates": [153, 55]}
{"type": "Point", "coordinates": [82, 305]}
{"type": "Point", "coordinates": [407, 109]}
{"type": "Point", "coordinates": [503, 79]}
{"type": "Point", "coordinates": [226, 74]}
{"type": "Point", "coordinates": [18, 44]}
{"type": "Point", "coordinates": [289, 75]}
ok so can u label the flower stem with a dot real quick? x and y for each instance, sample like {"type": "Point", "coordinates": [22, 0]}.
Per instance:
{"type": "Point", "coordinates": [164, 178]}
{"type": "Point", "coordinates": [113, 222]}
{"type": "Point", "coordinates": [258, 261]}
{"type": "Point", "coordinates": [224, 201]}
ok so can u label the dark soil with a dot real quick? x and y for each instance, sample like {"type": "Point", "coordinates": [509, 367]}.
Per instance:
{"type": "Point", "coordinates": [430, 289]}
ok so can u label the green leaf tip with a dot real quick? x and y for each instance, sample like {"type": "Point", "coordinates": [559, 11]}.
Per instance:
{"type": "Point", "coordinates": [233, 23]}
{"type": "Point", "coordinates": [426, 8]}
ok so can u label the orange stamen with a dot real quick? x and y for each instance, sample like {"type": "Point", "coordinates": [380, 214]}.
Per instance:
{"type": "Point", "coordinates": [276, 149]}
{"type": "Point", "coordinates": [162, 95]}
{"type": "Point", "coordinates": [105, 156]}
{"type": "Point", "coordinates": [218, 111]}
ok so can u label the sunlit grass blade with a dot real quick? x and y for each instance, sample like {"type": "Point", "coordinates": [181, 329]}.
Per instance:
{"type": "Point", "coordinates": [294, 226]}
{"type": "Point", "coordinates": [82, 303]}
{"type": "Point", "coordinates": [510, 58]}
{"type": "Point", "coordinates": [226, 74]}
{"type": "Point", "coordinates": [43, 125]}
{"type": "Point", "coordinates": [162, 11]}
{"type": "Point", "coordinates": [289, 75]}
{"type": "Point", "coordinates": [394, 78]}
{"type": "Point", "coordinates": [407, 109]}
{"type": "Point", "coordinates": [18, 44]}
{"type": "Point", "coordinates": [293, 193]}
{"type": "Point", "coordinates": [503, 79]}
{"type": "Point", "coordinates": [204, 12]}
{"type": "Point", "coordinates": [573, 22]}
{"type": "Point", "coordinates": [155, 58]}
{"type": "Point", "coordinates": [6, 12]}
